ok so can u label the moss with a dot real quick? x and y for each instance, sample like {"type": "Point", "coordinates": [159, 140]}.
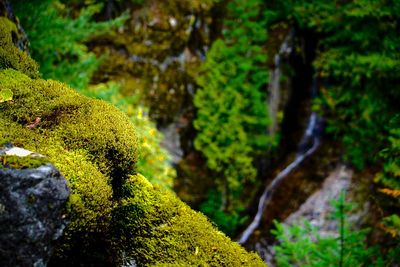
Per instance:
{"type": "Point", "coordinates": [93, 144]}
{"type": "Point", "coordinates": [16, 162]}
{"type": "Point", "coordinates": [112, 211]}
{"type": "Point", "coordinates": [163, 231]}
{"type": "Point", "coordinates": [91, 201]}
{"type": "Point", "coordinates": [11, 56]}
{"type": "Point", "coordinates": [76, 121]}
{"type": "Point", "coordinates": [89, 141]}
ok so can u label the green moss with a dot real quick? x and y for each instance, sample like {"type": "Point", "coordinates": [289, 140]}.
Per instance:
{"type": "Point", "coordinates": [112, 211]}
{"type": "Point", "coordinates": [90, 142]}
{"type": "Point", "coordinates": [16, 162]}
{"type": "Point", "coordinates": [91, 201]}
{"type": "Point", "coordinates": [76, 121]}
{"type": "Point", "coordinates": [11, 56]}
{"type": "Point", "coordinates": [163, 231]}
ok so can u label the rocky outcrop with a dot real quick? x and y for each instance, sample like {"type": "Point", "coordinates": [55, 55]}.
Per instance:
{"type": "Point", "coordinates": [33, 194]}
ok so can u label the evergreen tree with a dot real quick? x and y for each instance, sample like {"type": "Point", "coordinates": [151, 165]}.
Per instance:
{"type": "Point", "coordinates": [303, 245]}
{"type": "Point", "coordinates": [231, 102]}
{"type": "Point", "coordinates": [58, 40]}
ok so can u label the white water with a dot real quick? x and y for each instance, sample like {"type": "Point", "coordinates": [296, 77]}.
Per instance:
{"type": "Point", "coordinates": [311, 136]}
{"type": "Point", "coordinates": [266, 196]}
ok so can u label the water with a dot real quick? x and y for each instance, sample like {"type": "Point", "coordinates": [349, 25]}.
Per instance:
{"type": "Point", "coordinates": [266, 196]}
{"type": "Point", "coordinates": [307, 146]}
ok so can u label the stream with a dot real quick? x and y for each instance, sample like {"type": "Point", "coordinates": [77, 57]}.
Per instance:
{"type": "Point", "coordinates": [307, 145]}
{"type": "Point", "coordinates": [311, 135]}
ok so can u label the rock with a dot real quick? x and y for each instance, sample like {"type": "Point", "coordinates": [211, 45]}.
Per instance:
{"type": "Point", "coordinates": [317, 208]}
{"type": "Point", "coordinates": [172, 142]}
{"type": "Point", "coordinates": [31, 206]}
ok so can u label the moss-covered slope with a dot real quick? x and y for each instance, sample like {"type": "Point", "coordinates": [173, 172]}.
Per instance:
{"type": "Point", "coordinates": [115, 214]}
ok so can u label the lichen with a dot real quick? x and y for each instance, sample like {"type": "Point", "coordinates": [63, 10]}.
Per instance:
{"type": "Point", "coordinates": [11, 56]}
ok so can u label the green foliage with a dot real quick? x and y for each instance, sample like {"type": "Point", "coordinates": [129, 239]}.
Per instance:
{"type": "Point", "coordinates": [149, 224]}
{"type": "Point", "coordinates": [89, 141]}
{"type": "Point", "coordinates": [303, 245]}
{"type": "Point", "coordinates": [389, 178]}
{"type": "Point", "coordinates": [62, 56]}
{"type": "Point", "coordinates": [358, 54]}
{"type": "Point", "coordinates": [57, 39]}
{"type": "Point", "coordinates": [72, 111]}
{"type": "Point", "coordinates": [358, 61]}
{"type": "Point", "coordinates": [227, 221]}
{"type": "Point", "coordinates": [231, 111]}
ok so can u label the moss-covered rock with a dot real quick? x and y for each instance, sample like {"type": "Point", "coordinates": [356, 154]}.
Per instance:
{"type": "Point", "coordinates": [89, 141]}
{"type": "Point", "coordinates": [78, 122]}
{"type": "Point", "coordinates": [163, 231]}
{"type": "Point", "coordinates": [115, 214]}
{"type": "Point", "coordinates": [11, 56]}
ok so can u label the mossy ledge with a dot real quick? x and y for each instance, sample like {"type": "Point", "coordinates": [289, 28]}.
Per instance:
{"type": "Point", "coordinates": [116, 216]}
{"type": "Point", "coordinates": [17, 162]}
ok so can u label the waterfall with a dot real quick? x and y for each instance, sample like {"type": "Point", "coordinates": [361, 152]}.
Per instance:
{"type": "Point", "coordinates": [307, 146]}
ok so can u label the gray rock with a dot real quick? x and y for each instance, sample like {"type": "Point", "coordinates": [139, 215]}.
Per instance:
{"type": "Point", "coordinates": [31, 212]}
{"type": "Point", "coordinates": [318, 207]}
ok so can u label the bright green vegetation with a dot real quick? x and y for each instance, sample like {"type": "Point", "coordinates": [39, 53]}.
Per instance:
{"type": "Point", "coordinates": [232, 114]}
{"type": "Point", "coordinates": [5, 95]}
{"type": "Point", "coordinates": [153, 160]}
{"type": "Point", "coordinates": [302, 245]}
{"type": "Point", "coordinates": [101, 151]}
{"type": "Point", "coordinates": [357, 64]}
{"type": "Point", "coordinates": [113, 210]}
{"type": "Point", "coordinates": [16, 162]}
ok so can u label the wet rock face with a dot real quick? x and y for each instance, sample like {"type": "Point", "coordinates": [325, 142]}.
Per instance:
{"type": "Point", "coordinates": [31, 204]}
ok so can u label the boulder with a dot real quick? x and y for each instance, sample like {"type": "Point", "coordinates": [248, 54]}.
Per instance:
{"type": "Point", "coordinates": [33, 194]}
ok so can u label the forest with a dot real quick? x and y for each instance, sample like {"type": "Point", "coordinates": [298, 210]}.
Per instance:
{"type": "Point", "coordinates": [207, 133]}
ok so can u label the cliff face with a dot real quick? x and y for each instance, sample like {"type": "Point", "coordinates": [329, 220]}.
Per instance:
{"type": "Point", "coordinates": [116, 216]}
